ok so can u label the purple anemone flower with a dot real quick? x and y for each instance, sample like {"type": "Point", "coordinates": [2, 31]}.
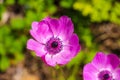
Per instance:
{"type": "Point", "coordinates": [54, 40]}
{"type": "Point", "coordinates": [103, 67]}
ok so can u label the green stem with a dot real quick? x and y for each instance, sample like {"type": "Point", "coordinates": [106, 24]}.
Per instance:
{"type": "Point", "coordinates": [61, 73]}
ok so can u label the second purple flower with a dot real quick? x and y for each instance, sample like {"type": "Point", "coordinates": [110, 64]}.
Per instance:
{"type": "Point", "coordinates": [54, 40]}
{"type": "Point", "coordinates": [103, 67]}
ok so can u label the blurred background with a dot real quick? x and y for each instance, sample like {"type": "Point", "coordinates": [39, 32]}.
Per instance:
{"type": "Point", "coordinates": [97, 23]}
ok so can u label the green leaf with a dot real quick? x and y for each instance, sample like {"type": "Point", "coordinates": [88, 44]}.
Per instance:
{"type": "Point", "coordinates": [2, 49]}
{"type": "Point", "coordinates": [17, 23]}
{"type": "Point", "coordinates": [90, 55]}
{"type": "Point", "coordinates": [66, 3]}
{"type": "Point", "coordinates": [52, 9]}
{"type": "Point", "coordinates": [76, 60]}
{"type": "Point", "coordinates": [21, 1]}
{"type": "Point", "coordinates": [30, 17]}
{"type": "Point", "coordinates": [4, 63]}
{"type": "Point", "coordinates": [18, 57]}
{"type": "Point", "coordinates": [10, 1]}
{"type": "Point", "coordinates": [72, 77]}
{"type": "Point", "coordinates": [8, 41]}
{"type": "Point", "coordinates": [16, 47]}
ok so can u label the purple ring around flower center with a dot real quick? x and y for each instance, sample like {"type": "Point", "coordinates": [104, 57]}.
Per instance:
{"type": "Point", "coordinates": [105, 75]}
{"type": "Point", "coordinates": [54, 45]}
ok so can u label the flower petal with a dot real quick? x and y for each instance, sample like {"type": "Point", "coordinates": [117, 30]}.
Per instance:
{"type": "Point", "coordinates": [54, 25]}
{"type": "Point", "coordinates": [117, 74]}
{"type": "Point", "coordinates": [41, 32]}
{"type": "Point", "coordinates": [58, 58]}
{"type": "Point", "coordinates": [35, 25]}
{"type": "Point", "coordinates": [49, 60]}
{"type": "Point", "coordinates": [74, 44]}
{"type": "Point", "coordinates": [66, 28]}
{"type": "Point", "coordinates": [66, 54]}
{"type": "Point", "coordinates": [91, 69]}
{"type": "Point", "coordinates": [87, 76]}
{"type": "Point", "coordinates": [113, 60]}
{"type": "Point", "coordinates": [100, 60]}
{"type": "Point", "coordinates": [37, 47]}
{"type": "Point", "coordinates": [33, 31]}
{"type": "Point", "coordinates": [71, 47]}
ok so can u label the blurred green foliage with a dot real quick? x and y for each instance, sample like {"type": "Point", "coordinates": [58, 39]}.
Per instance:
{"type": "Point", "coordinates": [15, 31]}
{"type": "Point", "coordinates": [99, 10]}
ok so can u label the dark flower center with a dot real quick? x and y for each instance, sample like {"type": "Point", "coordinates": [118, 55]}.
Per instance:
{"type": "Point", "coordinates": [105, 75]}
{"type": "Point", "coordinates": [54, 45]}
